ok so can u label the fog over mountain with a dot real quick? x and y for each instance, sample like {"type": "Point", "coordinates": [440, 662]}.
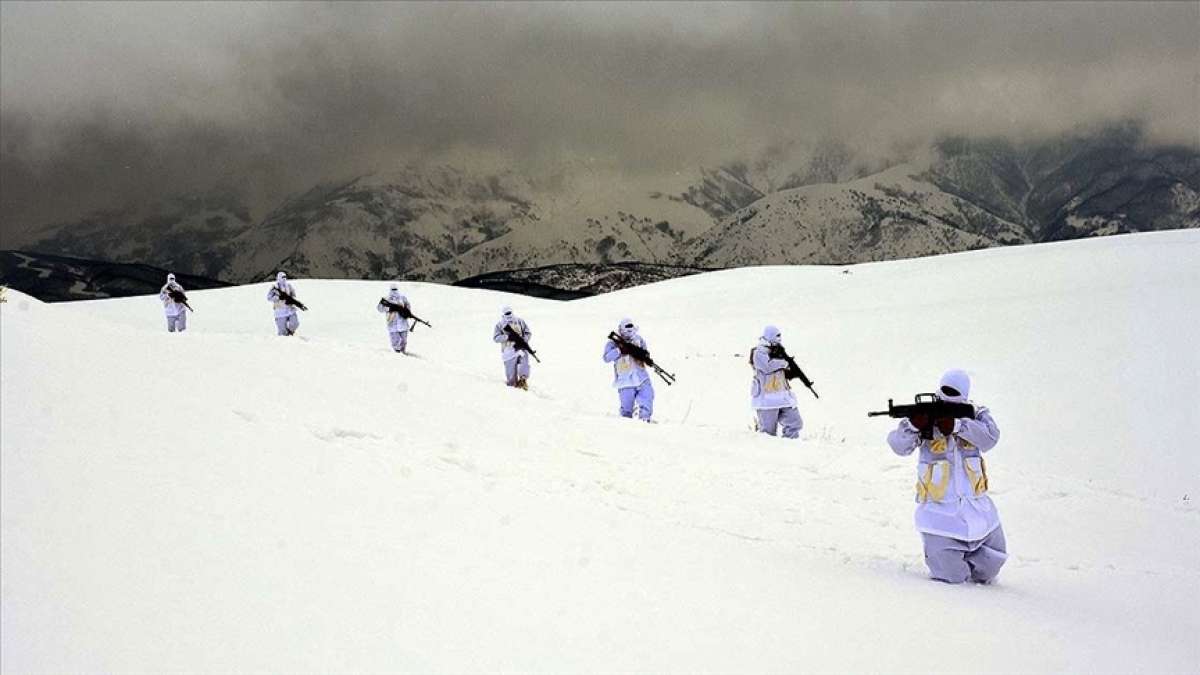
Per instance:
{"type": "Point", "coordinates": [111, 106]}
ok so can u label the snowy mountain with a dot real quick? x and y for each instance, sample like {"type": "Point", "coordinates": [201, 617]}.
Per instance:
{"type": "Point", "coordinates": [974, 194]}
{"type": "Point", "coordinates": [190, 235]}
{"type": "Point", "coordinates": [791, 204]}
{"type": "Point", "coordinates": [226, 500]}
{"type": "Point", "coordinates": [885, 216]}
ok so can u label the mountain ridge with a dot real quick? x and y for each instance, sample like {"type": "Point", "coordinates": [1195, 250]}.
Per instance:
{"type": "Point", "coordinates": [446, 224]}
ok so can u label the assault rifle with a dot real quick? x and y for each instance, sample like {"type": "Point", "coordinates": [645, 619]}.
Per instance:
{"type": "Point", "coordinates": [288, 299]}
{"type": "Point", "coordinates": [793, 371]}
{"type": "Point", "coordinates": [520, 342]}
{"type": "Point", "coordinates": [640, 354]}
{"type": "Point", "coordinates": [932, 407]}
{"type": "Point", "coordinates": [403, 311]}
{"type": "Point", "coordinates": [178, 296]}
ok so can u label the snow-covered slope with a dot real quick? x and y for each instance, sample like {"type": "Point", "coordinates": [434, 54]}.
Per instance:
{"type": "Point", "coordinates": [892, 214]}
{"type": "Point", "coordinates": [225, 500]}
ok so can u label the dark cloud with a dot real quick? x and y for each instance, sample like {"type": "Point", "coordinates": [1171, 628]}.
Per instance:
{"type": "Point", "coordinates": [106, 103]}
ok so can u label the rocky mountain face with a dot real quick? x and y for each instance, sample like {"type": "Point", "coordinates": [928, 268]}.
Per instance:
{"type": "Point", "coordinates": [1109, 183]}
{"type": "Point", "coordinates": [573, 281]}
{"type": "Point", "coordinates": [447, 224]}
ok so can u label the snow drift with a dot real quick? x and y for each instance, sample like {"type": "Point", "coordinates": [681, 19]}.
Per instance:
{"type": "Point", "coordinates": [226, 500]}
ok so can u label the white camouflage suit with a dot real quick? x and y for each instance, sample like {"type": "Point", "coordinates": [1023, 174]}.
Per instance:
{"type": "Point", "coordinates": [635, 391]}
{"type": "Point", "coordinates": [397, 325]}
{"type": "Point", "coordinates": [176, 313]}
{"type": "Point", "coordinates": [516, 361]}
{"type": "Point", "coordinates": [771, 394]}
{"type": "Point", "coordinates": [957, 520]}
{"type": "Point", "coordinates": [286, 319]}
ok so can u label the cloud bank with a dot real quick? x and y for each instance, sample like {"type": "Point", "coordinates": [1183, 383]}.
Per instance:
{"type": "Point", "coordinates": [106, 104]}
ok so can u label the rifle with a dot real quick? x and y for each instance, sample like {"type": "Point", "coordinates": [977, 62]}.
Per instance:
{"type": "Point", "coordinates": [288, 299]}
{"type": "Point", "coordinates": [640, 354]}
{"type": "Point", "coordinates": [404, 312]}
{"type": "Point", "coordinates": [178, 296]}
{"type": "Point", "coordinates": [793, 371]}
{"type": "Point", "coordinates": [931, 406]}
{"type": "Point", "coordinates": [520, 342]}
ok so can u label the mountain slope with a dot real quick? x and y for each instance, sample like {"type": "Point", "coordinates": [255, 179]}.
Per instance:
{"type": "Point", "coordinates": [1107, 183]}
{"type": "Point", "coordinates": [189, 235]}
{"type": "Point", "coordinates": [226, 500]}
{"type": "Point", "coordinates": [885, 216]}
{"type": "Point", "coordinates": [443, 224]}
{"type": "Point", "coordinates": [974, 194]}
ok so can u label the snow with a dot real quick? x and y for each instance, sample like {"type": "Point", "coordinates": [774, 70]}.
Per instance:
{"type": "Point", "coordinates": [226, 500]}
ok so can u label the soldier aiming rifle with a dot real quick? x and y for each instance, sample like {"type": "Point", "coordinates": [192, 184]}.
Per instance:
{"type": "Point", "coordinates": [927, 411]}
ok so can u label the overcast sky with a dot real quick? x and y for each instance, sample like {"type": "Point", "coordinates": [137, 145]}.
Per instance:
{"type": "Point", "coordinates": [104, 103]}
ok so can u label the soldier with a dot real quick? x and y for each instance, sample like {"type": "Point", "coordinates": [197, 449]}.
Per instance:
{"type": "Point", "coordinates": [635, 391]}
{"type": "Point", "coordinates": [173, 301]}
{"type": "Point", "coordinates": [286, 319]}
{"type": "Point", "coordinates": [771, 393]}
{"type": "Point", "coordinates": [957, 520]}
{"type": "Point", "coordinates": [516, 360]}
{"type": "Point", "coordinates": [397, 323]}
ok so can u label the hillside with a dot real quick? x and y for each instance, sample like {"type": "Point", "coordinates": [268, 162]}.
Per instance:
{"type": "Point", "coordinates": [226, 500]}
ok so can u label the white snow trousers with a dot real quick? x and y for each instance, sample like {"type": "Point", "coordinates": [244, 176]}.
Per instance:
{"type": "Point", "coordinates": [955, 561]}
{"type": "Point", "coordinates": [177, 323]}
{"type": "Point", "coordinates": [399, 341]}
{"type": "Point", "coordinates": [516, 369]}
{"type": "Point", "coordinates": [771, 418]}
{"type": "Point", "coordinates": [287, 325]}
{"type": "Point", "coordinates": [640, 398]}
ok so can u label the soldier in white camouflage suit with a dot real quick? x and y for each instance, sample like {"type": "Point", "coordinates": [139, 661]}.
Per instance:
{"type": "Point", "coordinates": [286, 318]}
{"type": "Point", "coordinates": [771, 394]}
{"type": "Point", "coordinates": [175, 311]}
{"type": "Point", "coordinates": [635, 391]}
{"type": "Point", "coordinates": [957, 520]}
{"type": "Point", "coordinates": [516, 361]}
{"type": "Point", "coordinates": [398, 326]}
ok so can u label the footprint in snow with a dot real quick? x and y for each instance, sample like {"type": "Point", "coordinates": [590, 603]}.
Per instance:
{"type": "Point", "coordinates": [337, 434]}
{"type": "Point", "coordinates": [464, 464]}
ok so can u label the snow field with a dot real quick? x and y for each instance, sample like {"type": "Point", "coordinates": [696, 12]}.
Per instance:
{"type": "Point", "coordinates": [229, 500]}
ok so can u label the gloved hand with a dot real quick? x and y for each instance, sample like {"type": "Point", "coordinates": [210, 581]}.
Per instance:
{"type": "Point", "coordinates": [945, 425]}
{"type": "Point", "coordinates": [919, 420]}
{"type": "Point", "coordinates": [775, 351]}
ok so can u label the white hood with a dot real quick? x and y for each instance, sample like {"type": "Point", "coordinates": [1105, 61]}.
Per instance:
{"type": "Point", "coordinates": [627, 332]}
{"type": "Point", "coordinates": [957, 379]}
